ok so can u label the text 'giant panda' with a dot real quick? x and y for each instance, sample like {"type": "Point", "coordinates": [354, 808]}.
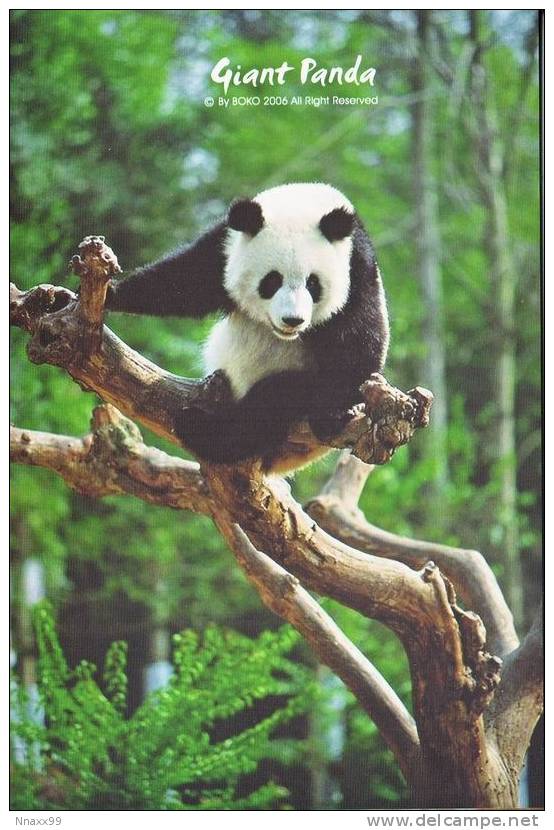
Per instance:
{"type": "Point", "coordinates": [305, 323]}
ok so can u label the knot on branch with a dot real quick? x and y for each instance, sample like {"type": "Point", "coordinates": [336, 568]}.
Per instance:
{"type": "Point", "coordinates": [95, 264]}
{"type": "Point", "coordinates": [485, 668]}
{"type": "Point", "coordinates": [478, 671]}
{"type": "Point", "coordinates": [112, 434]}
{"type": "Point", "coordinates": [27, 308]}
{"type": "Point", "coordinates": [391, 417]}
{"type": "Point", "coordinates": [109, 448]}
{"type": "Point", "coordinates": [47, 312]}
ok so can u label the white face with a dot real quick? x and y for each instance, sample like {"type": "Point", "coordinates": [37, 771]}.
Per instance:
{"type": "Point", "coordinates": [289, 276]}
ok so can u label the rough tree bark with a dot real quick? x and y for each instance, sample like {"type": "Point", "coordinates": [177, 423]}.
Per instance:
{"type": "Point", "coordinates": [455, 751]}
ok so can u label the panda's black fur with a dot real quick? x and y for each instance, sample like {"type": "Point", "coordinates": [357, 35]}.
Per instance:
{"type": "Point", "coordinates": [339, 352]}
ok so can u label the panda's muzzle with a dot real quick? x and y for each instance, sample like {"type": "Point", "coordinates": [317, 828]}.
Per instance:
{"type": "Point", "coordinates": [290, 311]}
{"type": "Point", "coordinates": [292, 322]}
{"type": "Point", "coordinates": [285, 333]}
{"type": "Point", "coordinates": [291, 328]}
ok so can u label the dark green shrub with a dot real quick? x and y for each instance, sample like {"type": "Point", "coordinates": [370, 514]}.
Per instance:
{"type": "Point", "coordinates": [180, 749]}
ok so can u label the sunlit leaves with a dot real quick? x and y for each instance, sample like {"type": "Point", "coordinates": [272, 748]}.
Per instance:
{"type": "Point", "coordinates": [179, 750]}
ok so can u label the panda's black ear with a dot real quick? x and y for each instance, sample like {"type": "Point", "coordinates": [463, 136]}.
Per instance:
{"type": "Point", "coordinates": [246, 216]}
{"type": "Point", "coordinates": [337, 225]}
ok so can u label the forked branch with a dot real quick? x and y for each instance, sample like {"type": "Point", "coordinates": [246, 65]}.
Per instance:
{"type": "Point", "coordinates": [67, 331]}
{"type": "Point", "coordinates": [284, 595]}
{"type": "Point", "coordinates": [336, 510]}
{"type": "Point", "coordinates": [114, 460]}
{"type": "Point", "coordinates": [456, 757]}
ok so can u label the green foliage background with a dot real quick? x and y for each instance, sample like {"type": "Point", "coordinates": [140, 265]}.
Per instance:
{"type": "Point", "coordinates": [110, 135]}
{"type": "Point", "coordinates": [89, 756]}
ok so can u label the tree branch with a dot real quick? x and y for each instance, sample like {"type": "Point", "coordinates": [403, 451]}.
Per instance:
{"type": "Point", "coordinates": [336, 510]}
{"type": "Point", "coordinates": [119, 375]}
{"type": "Point", "coordinates": [453, 677]}
{"type": "Point", "coordinates": [519, 701]}
{"type": "Point", "coordinates": [112, 460]}
{"type": "Point", "coordinates": [67, 331]}
{"type": "Point", "coordinates": [95, 267]}
{"type": "Point", "coordinates": [284, 595]}
{"type": "Point", "coordinates": [452, 683]}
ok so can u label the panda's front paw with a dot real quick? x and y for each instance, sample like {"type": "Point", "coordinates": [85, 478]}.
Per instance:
{"type": "Point", "coordinates": [330, 424]}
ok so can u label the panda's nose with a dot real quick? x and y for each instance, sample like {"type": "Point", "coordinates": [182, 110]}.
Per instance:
{"type": "Point", "coordinates": [292, 322]}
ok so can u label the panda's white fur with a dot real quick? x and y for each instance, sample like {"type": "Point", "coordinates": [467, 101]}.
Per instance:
{"type": "Point", "coordinates": [251, 343]}
{"type": "Point", "coordinates": [248, 351]}
{"type": "Point", "coordinates": [295, 273]}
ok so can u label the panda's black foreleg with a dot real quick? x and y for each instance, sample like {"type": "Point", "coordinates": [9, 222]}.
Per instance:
{"type": "Point", "coordinates": [258, 423]}
{"type": "Point", "coordinates": [186, 283]}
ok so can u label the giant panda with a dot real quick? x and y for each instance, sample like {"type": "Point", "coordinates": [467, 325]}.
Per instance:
{"type": "Point", "coordinates": [304, 319]}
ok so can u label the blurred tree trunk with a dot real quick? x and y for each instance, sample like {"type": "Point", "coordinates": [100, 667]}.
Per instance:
{"type": "Point", "coordinates": [428, 254]}
{"type": "Point", "coordinates": [158, 669]}
{"type": "Point", "coordinates": [327, 736]}
{"type": "Point", "coordinates": [503, 281]}
{"type": "Point", "coordinates": [31, 589]}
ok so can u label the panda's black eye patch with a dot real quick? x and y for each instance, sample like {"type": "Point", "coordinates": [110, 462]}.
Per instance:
{"type": "Point", "coordinates": [270, 284]}
{"type": "Point", "coordinates": [314, 287]}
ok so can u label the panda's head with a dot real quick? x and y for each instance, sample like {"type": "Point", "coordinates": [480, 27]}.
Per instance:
{"type": "Point", "coordinates": [288, 256]}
